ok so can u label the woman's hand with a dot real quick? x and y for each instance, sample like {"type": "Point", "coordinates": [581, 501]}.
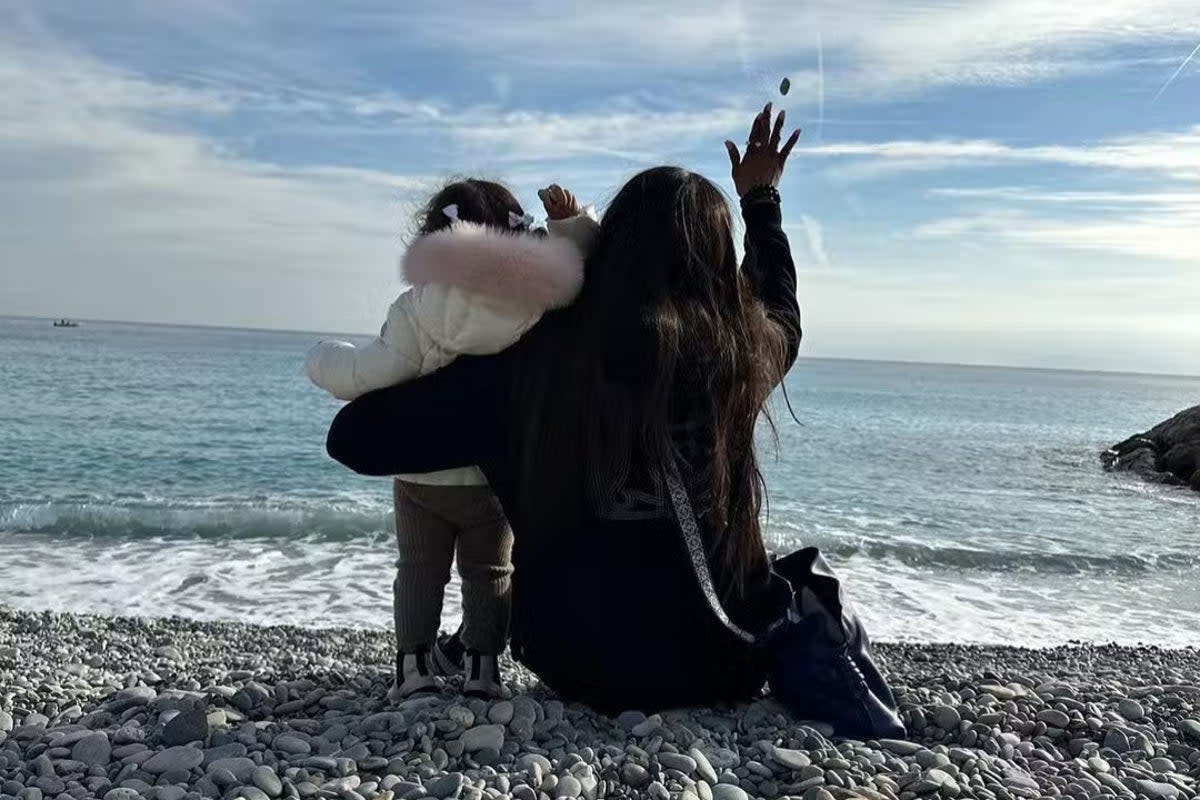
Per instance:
{"type": "Point", "coordinates": [763, 163]}
{"type": "Point", "coordinates": [559, 203]}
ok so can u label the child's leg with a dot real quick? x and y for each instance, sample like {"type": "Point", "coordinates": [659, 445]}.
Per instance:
{"type": "Point", "coordinates": [485, 544]}
{"type": "Point", "coordinates": [426, 543]}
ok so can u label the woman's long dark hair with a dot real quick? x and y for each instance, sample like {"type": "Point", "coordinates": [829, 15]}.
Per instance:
{"type": "Point", "coordinates": [665, 330]}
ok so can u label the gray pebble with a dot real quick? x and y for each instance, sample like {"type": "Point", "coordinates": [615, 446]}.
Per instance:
{"type": "Point", "coordinates": [647, 726]}
{"type": "Point", "coordinates": [265, 778]}
{"type": "Point", "coordinates": [292, 745]}
{"type": "Point", "coordinates": [634, 775]}
{"type": "Point", "coordinates": [1054, 718]}
{"type": "Point", "coordinates": [1190, 728]}
{"type": "Point", "coordinates": [792, 759]}
{"type": "Point", "coordinates": [174, 759]}
{"type": "Point", "coordinates": [947, 718]}
{"type": "Point", "coordinates": [900, 747]}
{"type": "Point", "coordinates": [446, 786]}
{"type": "Point", "coordinates": [241, 768]}
{"type": "Point", "coordinates": [190, 725]}
{"type": "Point", "coordinates": [630, 719]}
{"type": "Point", "coordinates": [501, 713]}
{"type": "Point", "coordinates": [569, 786]}
{"type": "Point", "coordinates": [1157, 791]}
{"type": "Point", "coordinates": [676, 761]}
{"type": "Point", "coordinates": [725, 791]}
{"type": "Point", "coordinates": [93, 750]}
{"type": "Point", "coordinates": [122, 794]}
{"type": "Point", "coordinates": [1131, 710]}
{"type": "Point", "coordinates": [658, 791]}
{"type": "Point", "coordinates": [483, 736]}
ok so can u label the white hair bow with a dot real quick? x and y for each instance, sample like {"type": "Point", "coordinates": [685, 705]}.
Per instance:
{"type": "Point", "coordinates": [516, 220]}
{"type": "Point", "coordinates": [451, 211]}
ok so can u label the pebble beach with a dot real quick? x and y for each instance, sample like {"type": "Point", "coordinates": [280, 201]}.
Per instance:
{"type": "Point", "coordinates": [124, 708]}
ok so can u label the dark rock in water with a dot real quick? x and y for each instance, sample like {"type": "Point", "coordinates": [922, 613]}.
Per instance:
{"type": "Point", "coordinates": [1167, 453]}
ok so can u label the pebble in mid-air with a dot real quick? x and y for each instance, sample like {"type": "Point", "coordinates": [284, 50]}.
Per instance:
{"type": "Point", "coordinates": [784, 85]}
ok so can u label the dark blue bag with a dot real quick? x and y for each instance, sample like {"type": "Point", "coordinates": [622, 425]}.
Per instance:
{"type": "Point", "coordinates": [819, 657]}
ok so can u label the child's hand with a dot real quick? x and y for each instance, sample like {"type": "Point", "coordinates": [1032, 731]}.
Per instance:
{"type": "Point", "coordinates": [559, 203]}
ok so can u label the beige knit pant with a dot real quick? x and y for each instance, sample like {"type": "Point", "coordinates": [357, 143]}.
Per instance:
{"type": "Point", "coordinates": [432, 523]}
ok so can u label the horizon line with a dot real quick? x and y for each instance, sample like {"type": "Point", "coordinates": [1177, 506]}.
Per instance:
{"type": "Point", "coordinates": [862, 360]}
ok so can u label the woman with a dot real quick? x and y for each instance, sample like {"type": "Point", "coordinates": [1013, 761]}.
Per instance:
{"type": "Point", "coordinates": [668, 355]}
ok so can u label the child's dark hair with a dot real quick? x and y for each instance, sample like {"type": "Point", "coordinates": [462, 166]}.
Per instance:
{"type": "Point", "coordinates": [482, 202]}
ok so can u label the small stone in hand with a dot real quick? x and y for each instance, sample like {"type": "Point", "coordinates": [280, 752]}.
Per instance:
{"type": "Point", "coordinates": [785, 85]}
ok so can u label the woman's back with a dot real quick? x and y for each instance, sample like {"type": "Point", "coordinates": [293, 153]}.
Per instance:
{"type": "Point", "coordinates": [668, 355]}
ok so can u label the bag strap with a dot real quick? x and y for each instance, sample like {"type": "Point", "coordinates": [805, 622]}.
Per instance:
{"type": "Point", "coordinates": [690, 531]}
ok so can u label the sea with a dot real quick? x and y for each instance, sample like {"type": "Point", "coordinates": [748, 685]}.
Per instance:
{"type": "Point", "coordinates": [161, 471]}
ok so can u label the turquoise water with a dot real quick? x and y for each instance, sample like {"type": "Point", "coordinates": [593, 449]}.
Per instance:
{"type": "Point", "coordinates": [159, 470]}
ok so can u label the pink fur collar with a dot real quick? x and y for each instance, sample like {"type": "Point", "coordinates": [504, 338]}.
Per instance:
{"type": "Point", "coordinates": [527, 272]}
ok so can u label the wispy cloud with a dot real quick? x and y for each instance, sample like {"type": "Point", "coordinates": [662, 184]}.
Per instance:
{"type": "Point", "coordinates": [1172, 154]}
{"type": "Point", "coordinates": [1138, 225]}
{"type": "Point", "coordinates": [252, 164]}
{"type": "Point", "coordinates": [814, 235]}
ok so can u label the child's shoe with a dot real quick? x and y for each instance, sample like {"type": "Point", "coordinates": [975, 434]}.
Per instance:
{"type": "Point", "coordinates": [483, 676]}
{"type": "Point", "coordinates": [414, 675]}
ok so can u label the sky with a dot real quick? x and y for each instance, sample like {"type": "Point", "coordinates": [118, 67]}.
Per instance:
{"type": "Point", "coordinates": [978, 181]}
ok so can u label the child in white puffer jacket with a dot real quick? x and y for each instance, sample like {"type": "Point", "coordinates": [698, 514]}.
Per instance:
{"type": "Point", "coordinates": [479, 279]}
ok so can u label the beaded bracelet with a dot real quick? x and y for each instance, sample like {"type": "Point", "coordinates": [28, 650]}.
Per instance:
{"type": "Point", "coordinates": [761, 194]}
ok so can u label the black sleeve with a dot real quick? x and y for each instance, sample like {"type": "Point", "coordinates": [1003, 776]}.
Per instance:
{"type": "Point", "coordinates": [771, 272]}
{"type": "Point", "coordinates": [447, 419]}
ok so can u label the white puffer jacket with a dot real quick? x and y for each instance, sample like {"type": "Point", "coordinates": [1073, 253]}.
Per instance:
{"type": "Point", "coordinates": [473, 290]}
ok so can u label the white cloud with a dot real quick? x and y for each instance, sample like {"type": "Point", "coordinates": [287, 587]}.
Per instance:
{"type": "Point", "coordinates": [115, 212]}
{"type": "Point", "coordinates": [874, 46]}
{"type": "Point", "coordinates": [1171, 154]}
{"type": "Point", "coordinates": [814, 235]}
{"type": "Point", "coordinates": [133, 191]}
{"type": "Point", "coordinates": [1139, 224]}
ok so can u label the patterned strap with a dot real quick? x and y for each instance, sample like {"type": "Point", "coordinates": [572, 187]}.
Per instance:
{"type": "Point", "coordinates": [695, 547]}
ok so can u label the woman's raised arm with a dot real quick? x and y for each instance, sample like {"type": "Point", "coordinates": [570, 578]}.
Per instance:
{"type": "Point", "coordinates": [768, 264]}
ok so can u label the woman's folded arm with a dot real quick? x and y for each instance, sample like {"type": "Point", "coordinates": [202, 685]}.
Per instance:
{"type": "Point", "coordinates": [448, 419]}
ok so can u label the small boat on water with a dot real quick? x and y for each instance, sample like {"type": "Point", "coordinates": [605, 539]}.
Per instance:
{"type": "Point", "coordinates": [65, 323]}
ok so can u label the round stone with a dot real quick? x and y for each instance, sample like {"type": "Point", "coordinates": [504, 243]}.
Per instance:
{"type": "Point", "coordinates": [94, 750]}
{"type": "Point", "coordinates": [446, 786]}
{"type": "Point", "coordinates": [676, 761]}
{"type": "Point", "coordinates": [727, 791]}
{"type": "Point", "coordinates": [792, 759]}
{"type": "Point", "coordinates": [569, 786]}
{"type": "Point", "coordinates": [1190, 728]}
{"type": "Point", "coordinates": [483, 737]}
{"type": "Point", "coordinates": [634, 775]}
{"type": "Point", "coordinates": [174, 759]}
{"type": "Point", "coordinates": [265, 778]}
{"type": "Point", "coordinates": [947, 718]}
{"type": "Point", "coordinates": [1131, 710]}
{"type": "Point", "coordinates": [630, 719]}
{"type": "Point", "coordinates": [241, 768]}
{"type": "Point", "coordinates": [501, 713]}
{"type": "Point", "coordinates": [186, 726]}
{"type": "Point", "coordinates": [1054, 718]}
{"type": "Point", "coordinates": [292, 745]}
